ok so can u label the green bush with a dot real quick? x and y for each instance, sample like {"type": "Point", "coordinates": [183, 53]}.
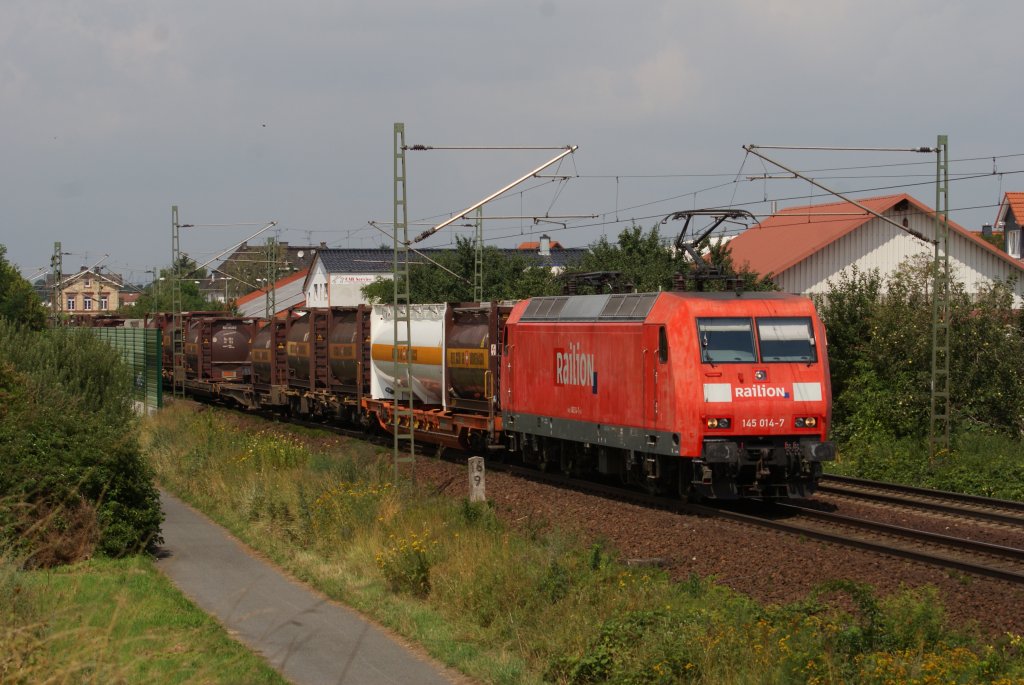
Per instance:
{"type": "Point", "coordinates": [69, 451]}
{"type": "Point", "coordinates": [880, 355]}
{"type": "Point", "coordinates": [18, 301]}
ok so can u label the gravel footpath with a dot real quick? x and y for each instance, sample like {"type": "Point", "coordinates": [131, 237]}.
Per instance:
{"type": "Point", "coordinates": [770, 567]}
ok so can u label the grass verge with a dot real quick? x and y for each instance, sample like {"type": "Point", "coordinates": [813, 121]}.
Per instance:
{"type": "Point", "coordinates": [979, 463]}
{"type": "Point", "coordinates": [509, 607]}
{"type": "Point", "coordinates": [113, 621]}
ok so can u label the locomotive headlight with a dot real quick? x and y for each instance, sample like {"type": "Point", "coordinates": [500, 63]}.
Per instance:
{"type": "Point", "coordinates": [718, 423]}
{"type": "Point", "coordinates": [723, 423]}
{"type": "Point", "coordinates": [712, 423]}
{"type": "Point", "coordinates": [800, 422]}
{"type": "Point", "coordinates": [810, 422]}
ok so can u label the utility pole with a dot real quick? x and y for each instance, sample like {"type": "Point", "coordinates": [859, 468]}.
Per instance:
{"type": "Point", "coordinates": [271, 300]}
{"type": "Point", "coordinates": [401, 351]}
{"type": "Point", "coordinates": [478, 262]}
{"type": "Point", "coordinates": [938, 427]}
{"type": "Point", "coordinates": [57, 272]}
{"type": "Point", "coordinates": [177, 320]}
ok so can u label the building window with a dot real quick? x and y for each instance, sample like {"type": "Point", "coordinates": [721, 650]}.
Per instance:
{"type": "Point", "coordinates": [88, 282]}
{"type": "Point", "coordinates": [103, 301]}
{"type": "Point", "coordinates": [87, 303]}
{"type": "Point", "coordinates": [1013, 243]}
{"type": "Point", "coordinates": [71, 303]}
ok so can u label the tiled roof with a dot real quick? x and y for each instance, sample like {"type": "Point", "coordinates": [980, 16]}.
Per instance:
{"type": "Point", "coordinates": [534, 245]}
{"type": "Point", "coordinates": [795, 233]}
{"type": "Point", "coordinates": [289, 256]}
{"type": "Point", "coordinates": [1013, 202]}
{"type": "Point", "coordinates": [298, 275]}
{"type": "Point", "coordinates": [114, 279]}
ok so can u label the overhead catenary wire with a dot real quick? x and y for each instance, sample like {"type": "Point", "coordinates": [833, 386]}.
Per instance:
{"type": "Point", "coordinates": [622, 213]}
{"type": "Point", "coordinates": [606, 223]}
{"type": "Point", "coordinates": [694, 194]}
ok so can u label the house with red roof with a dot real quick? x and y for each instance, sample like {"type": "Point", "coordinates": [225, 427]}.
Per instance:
{"type": "Point", "coordinates": [1010, 218]}
{"type": "Point", "coordinates": [287, 293]}
{"type": "Point", "coordinates": [803, 248]}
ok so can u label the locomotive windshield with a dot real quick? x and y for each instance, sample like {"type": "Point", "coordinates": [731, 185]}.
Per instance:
{"type": "Point", "coordinates": [725, 340]}
{"type": "Point", "coordinates": [786, 340]}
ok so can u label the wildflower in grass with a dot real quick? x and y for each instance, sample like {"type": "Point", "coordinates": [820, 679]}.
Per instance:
{"type": "Point", "coordinates": [405, 563]}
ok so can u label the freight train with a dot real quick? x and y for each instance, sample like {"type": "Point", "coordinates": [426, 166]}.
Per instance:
{"type": "Point", "coordinates": [706, 395]}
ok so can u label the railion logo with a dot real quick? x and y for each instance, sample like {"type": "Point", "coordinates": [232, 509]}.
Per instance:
{"type": "Point", "coordinates": [762, 391]}
{"type": "Point", "coordinates": [573, 367]}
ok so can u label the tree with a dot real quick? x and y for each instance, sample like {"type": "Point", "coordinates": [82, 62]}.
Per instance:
{"type": "Point", "coordinates": [880, 341]}
{"type": "Point", "coordinates": [18, 302]}
{"type": "Point", "coordinates": [641, 258]}
{"type": "Point", "coordinates": [649, 265]}
{"type": "Point", "coordinates": [450, 279]}
{"type": "Point", "coordinates": [158, 296]}
{"type": "Point", "coordinates": [73, 475]}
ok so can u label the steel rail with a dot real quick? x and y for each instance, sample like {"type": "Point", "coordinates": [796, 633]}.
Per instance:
{"type": "Point", "coordinates": [886, 548]}
{"type": "Point", "coordinates": [1011, 553]}
{"type": "Point", "coordinates": [847, 486]}
{"type": "Point", "coordinates": [877, 547]}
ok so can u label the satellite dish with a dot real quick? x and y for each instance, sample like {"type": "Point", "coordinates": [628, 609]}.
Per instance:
{"type": "Point", "coordinates": [299, 254]}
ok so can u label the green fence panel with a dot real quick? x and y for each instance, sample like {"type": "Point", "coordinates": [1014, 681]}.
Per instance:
{"type": "Point", "coordinates": [141, 350]}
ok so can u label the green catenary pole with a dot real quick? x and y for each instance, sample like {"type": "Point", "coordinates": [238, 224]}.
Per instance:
{"type": "Point", "coordinates": [938, 430]}
{"type": "Point", "coordinates": [57, 273]}
{"type": "Point", "coordinates": [403, 427]}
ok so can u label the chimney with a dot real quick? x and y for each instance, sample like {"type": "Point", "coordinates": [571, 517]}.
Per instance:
{"type": "Point", "coordinates": [545, 245]}
{"type": "Point", "coordinates": [986, 230]}
{"type": "Point", "coordinates": [82, 268]}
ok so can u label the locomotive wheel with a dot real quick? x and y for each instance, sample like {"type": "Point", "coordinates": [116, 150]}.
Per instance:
{"type": "Point", "coordinates": [684, 483]}
{"type": "Point", "coordinates": [550, 453]}
{"type": "Point", "coordinates": [567, 462]}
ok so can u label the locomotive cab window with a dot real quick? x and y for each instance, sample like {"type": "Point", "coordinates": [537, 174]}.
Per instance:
{"type": "Point", "coordinates": [787, 340]}
{"type": "Point", "coordinates": [662, 345]}
{"type": "Point", "coordinates": [725, 340]}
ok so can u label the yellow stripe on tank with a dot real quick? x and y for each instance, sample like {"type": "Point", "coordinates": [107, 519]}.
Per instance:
{"type": "Point", "coordinates": [298, 349]}
{"type": "Point", "coordinates": [430, 356]}
{"type": "Point", "coordinates": [342, 351]}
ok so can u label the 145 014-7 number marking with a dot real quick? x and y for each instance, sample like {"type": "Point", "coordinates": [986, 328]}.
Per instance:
{"type": "Point", "coordinates": [762, 423]}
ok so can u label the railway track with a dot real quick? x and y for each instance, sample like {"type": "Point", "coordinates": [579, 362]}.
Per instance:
{"type": "Point", "coordinates": [951, 552]}
{"type": "Point", "coordinates": [805, 520]}
{"type": "Point", "coordinates": [931, 501]}
{"type": "Point", "coordinates": [944, 551]}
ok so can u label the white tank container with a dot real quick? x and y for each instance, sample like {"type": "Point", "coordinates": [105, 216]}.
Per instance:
{"type": "Point", "coordinates": [426, 334]}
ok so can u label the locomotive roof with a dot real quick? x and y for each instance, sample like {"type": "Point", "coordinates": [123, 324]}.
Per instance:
{"type": "Point", "coordinates": [622, 307]}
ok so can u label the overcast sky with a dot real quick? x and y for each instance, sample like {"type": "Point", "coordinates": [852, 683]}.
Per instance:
{"type": "Point", "coordinates": [245, 112]}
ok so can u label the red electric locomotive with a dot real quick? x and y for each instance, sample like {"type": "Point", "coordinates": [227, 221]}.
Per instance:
{"type": "Point", "coordinates": [719, 395]}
